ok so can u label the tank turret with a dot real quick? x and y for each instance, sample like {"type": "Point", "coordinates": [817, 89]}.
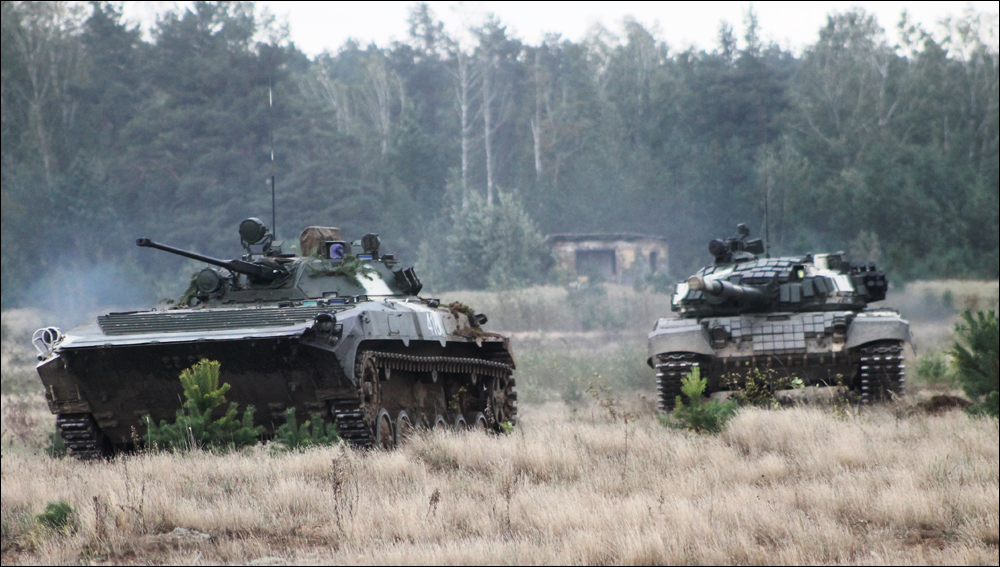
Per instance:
{"type": "Point", "coordinates": [804, 316]}
{"type": "Point", "coordinates": [336, 331]}
{"type": "Point", "coordinates": [739, 281]}
{"type": "Point", "coordinates": [328, 268]}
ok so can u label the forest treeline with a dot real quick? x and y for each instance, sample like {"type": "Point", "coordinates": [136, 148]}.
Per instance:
{"type": "Point", "coordinates": [880, 143]}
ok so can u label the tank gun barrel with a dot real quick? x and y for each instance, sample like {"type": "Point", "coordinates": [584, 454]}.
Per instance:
{"type": "Point", "coordinates": [236, 266]}
{"type": "Point", "coordinates": [726, 290]}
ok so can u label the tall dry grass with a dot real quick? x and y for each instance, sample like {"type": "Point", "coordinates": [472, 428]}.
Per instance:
{"type": "Point", "coordinates": [555, 309]}
{"type": "Point", "coordinates": [792, 487]}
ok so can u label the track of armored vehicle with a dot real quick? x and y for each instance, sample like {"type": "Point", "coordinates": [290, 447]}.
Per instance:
{"type": "Point", "coordinates": [797, 317]}
{"type": "Point", "coordinates": [337, 331]}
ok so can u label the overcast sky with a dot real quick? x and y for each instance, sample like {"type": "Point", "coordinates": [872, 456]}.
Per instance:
{"type": "Point", "coordinates": [319, 26]}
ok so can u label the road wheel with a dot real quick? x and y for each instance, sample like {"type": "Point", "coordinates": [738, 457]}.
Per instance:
{"type": "Point", "coordinates": [440, 423]}
{"type": "Point", "coordinates": [385, 438]}
{"type": "Point", "coordinates": [404, 428]}
{"type": "Point", "coordinates": [478, 423]}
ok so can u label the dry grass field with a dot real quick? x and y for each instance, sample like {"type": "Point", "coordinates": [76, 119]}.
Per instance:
{"type": "Point", "coordinates": [798, 486]}
{"type": "Point", "coordinates": [571, 485]}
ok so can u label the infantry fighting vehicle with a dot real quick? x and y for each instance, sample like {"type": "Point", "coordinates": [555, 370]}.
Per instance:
{"type": "Point", "coordinates": [799, 317]}
{"type": "Point", "coordinates": [337, 330]}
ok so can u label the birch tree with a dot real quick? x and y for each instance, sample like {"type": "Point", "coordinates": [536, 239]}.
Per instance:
{"type": "Point", "coordinates": [495, 55]}
{"type": "Point", "coordinates": [465, 76]}
{"type": "Point", "coordinates": [43, 35]}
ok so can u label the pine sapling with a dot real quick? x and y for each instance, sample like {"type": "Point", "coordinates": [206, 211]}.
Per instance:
{"type": "Point", "coordinates": [193, 428]}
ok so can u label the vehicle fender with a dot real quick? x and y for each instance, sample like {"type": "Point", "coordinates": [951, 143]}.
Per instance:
{"type": "Point", "coordinates": [867, 329]}
{"type": "Point", "coordinates": [678, 335]}
{"type": "Point", "coordinates": [356, 329]}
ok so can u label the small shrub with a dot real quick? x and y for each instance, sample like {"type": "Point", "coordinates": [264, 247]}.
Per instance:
{"type": "Point", "coordinates": [58, 516]}
{"type": "Point", "coordinates": [193, 427]}
{"type": "Point", "coordinates": [313, 433]}
{"type": "Point", "coordinates": [977, 360]}
{"type": "Point", "coordinates": [933, 370]}
{"type": "Point", "coordinates": [701, 416]}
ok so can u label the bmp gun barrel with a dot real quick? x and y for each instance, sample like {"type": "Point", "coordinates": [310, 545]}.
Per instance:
{"type": "Point", "coordinates": [236, 266]}
{"type": "Point", "coordinates": [726, 290]}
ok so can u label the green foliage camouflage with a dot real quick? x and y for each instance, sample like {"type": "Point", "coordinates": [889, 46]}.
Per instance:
{"type": "Point", "coordinates": [349, 267]}
{"type": "Point", "coordinates": [124, 134]}
{"type": "Point", "coordinates": [700, 415]}
{"type": "Point", "coordinates": [313, 433]}
{"type": "Point", "coordinates": [195, 426]}
{"type": "Point", "coordinates": [757, 387]}
{"type": "Point", "coordinates": [977, 360]}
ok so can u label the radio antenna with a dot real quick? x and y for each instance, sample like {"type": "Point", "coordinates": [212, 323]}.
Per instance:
{"type": "Point", "coordinates": [767, 208]}
{"type": "Point", "coordinates": [270, 123]}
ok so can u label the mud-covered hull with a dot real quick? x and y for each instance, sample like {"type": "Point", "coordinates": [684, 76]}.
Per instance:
{"type": "Point", "coordinates": [348, 363]}
{"type": "Point", "coordinates": [825, 348]}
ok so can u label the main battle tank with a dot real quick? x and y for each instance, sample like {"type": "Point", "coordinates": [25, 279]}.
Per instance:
{"type": "Point", "coordinates": [338, 331]}
{"type": "Point", "coordinates": [798, 317]}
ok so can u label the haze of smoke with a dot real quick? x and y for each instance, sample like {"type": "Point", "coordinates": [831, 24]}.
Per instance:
{"type": "Point", "coordinates": [72, 293]}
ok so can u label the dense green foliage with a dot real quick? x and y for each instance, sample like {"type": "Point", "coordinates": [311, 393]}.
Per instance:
{"type": "Point", "coordinates": [700, 415]}
{"type": "Point", "coordinates": [977, 360]}
{"type": "Point", "coordinates": [195, 427]}
{"type": "Point", "coordinates": [885, 147]}
{"type": "Point", "coordinates": [291, 436]}
{"type": "Point", "coordinates": [58, 516]}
